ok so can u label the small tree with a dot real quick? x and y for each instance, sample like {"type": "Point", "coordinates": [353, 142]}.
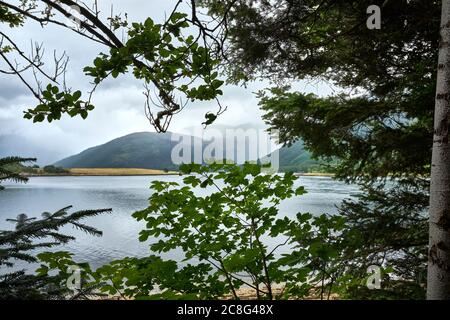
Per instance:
{"type": "Point", "coordinates": [231, 238]}
{"type": "Point", "coordinates": [54, 170]}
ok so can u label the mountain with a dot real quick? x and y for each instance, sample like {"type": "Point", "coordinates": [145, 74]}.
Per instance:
{"type": "Point", "coordinates": [154, 151]}
{"type": "Point", "coordinates": [137, 150]}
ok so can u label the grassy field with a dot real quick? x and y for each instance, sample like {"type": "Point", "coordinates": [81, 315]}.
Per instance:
{"type": "Point", "coordinates": [116, 172]}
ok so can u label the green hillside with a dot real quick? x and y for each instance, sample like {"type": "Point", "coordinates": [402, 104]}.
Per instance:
{"type": "Point", "coordinates": [296, 158]}
{"type": "Point", "coordinates": [150, 150]}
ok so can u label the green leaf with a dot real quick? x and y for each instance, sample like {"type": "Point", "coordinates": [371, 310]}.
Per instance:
{"type": "Point", "coordinates": [210, 118]}
{"type": "Point", "coordinates": [76, 95]}
{"type": "Point", "coordinates": [39, 118]}
{"type": "Point", "coordinates": [84, 114]}
{"type": "Point", "coordinates": [47, 95]}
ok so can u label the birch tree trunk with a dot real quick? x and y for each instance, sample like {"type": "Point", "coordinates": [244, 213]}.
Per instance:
{"type": "Point", "coordinates": [438, 282]}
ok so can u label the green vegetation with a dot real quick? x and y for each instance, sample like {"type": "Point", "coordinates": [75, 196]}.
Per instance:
{"type": "Point", "coordinates": [225, 239]}
{"type": "Point", "coordinates": [231, 238]}
{"type": "Point", "coordinates": [54, 170]}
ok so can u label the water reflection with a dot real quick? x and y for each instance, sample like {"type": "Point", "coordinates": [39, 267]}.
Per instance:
{"type": "Point", "coordinates": [126, 195]}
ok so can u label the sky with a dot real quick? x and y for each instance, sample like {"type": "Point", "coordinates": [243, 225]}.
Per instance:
{"type": "Point", "coordinates": [119, 102]}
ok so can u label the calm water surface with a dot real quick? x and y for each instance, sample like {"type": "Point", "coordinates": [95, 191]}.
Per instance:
{"type": "Point", "coordinates": [126, 195]}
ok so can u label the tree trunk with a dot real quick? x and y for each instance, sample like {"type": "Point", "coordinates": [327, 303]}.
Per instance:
{"type": "Point", "coordinates": [438, 282]}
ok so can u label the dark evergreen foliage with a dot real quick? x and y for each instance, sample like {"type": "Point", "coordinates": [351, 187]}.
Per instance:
{"type": "Point", "coordinates": [379, 131]}
{"type": "Point", "coordinates": [7, 174]}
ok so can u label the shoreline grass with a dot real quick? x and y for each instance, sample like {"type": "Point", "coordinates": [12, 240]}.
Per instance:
{"type": "Point", "coordinates": [314, 174]}
{"type": "Point", "coordinates": [109, 172]}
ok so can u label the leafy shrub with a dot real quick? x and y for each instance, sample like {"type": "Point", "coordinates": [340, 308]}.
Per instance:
{"type": "Point", "coordinates": [54, 170]}
{"type": "Point", "coordinates": [231, 238]}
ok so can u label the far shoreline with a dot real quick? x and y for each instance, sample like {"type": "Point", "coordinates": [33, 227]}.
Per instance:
{"type": "Point", "coordinates": [104, 172]}
{"type": "Point", "coordinates": [100, 175]}
{"type": "Point", "coordinates": [130, 172]}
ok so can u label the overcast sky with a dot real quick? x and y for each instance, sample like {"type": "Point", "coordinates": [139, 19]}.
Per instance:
{"type": "Point", "coordinates": [119, 102]}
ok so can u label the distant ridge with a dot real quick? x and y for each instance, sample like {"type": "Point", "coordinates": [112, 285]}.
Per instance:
{"type": "Point", "coordinates": [296, 158]}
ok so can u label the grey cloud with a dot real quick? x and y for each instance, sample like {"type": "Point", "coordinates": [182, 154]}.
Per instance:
{"type": "Point", "coordinates": [11, 88]}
